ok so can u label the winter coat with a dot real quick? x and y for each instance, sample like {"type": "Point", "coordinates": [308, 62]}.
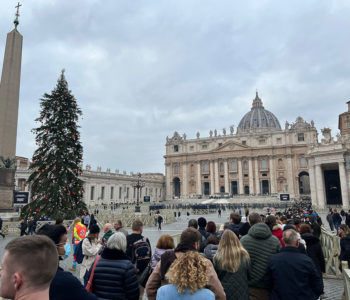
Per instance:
{"type": "Point", "coordinates": [336, 218]}
{"type": "Point", "coordinates": [210, 250]}
{"type": "Point", "coordinates": [278, 233]}
{"type": "Point", "coordinates": [345, 249]}
{"type": "Point", "coordinates": [316, 229]}
{"type": "Point", "coordinates": [155, 281]}
{"type": "Point", "coordinates": [115, 277]}
{"type": "Point", "coordinates": [314, 251]}
{"type": "Point", "coordinates": [292, 275]}
{"type": "Point", "coordinates": [347, 219]}
{"type": "Point", "coordinates": [260, 244]}
{"type": "Point", "coordinates": [107, 235]}
{"type": "Point", "coordinates": [156, 256]}
{"type": "Point", "coordinates": [204, 238]}
{"type": "Point", "coordinates": [170, 292]}
{"type": "Point", "coordinates": [235, 284]}
{"type": "Point", "coordinates": [90, 248]}
{"type": "Point", "coordinates": [66, 286]}
{"type": "Point", "coordinates": [235, 228]}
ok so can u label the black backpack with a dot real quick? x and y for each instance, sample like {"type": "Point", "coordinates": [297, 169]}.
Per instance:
{"type": "Point", "coordinates": [141, 254]}
{"type": "Point", "coordinates": [78, 252]}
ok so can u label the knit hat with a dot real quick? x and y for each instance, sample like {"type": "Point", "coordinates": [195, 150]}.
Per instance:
{"type": "Point", "coordinates": [94, 229]}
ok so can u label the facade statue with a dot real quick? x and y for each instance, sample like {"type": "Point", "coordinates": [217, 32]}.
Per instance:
{"type": "Point", "coordinates": [224, 131]}
{"type": "Point", "coordinates": [287, 125]}
{"type": "Point", "coordinates": [198, 135]}
{"type": "Point", "coordinates": [231, 130]}
{"type": "Point", "coordinates": [211, 133]}
{"type": "Point", "coordinates": [184, 136]}
{"type": "Point", "coordinates": [215, 132]}
{"type": "Point", "coordinates": [312, 124]}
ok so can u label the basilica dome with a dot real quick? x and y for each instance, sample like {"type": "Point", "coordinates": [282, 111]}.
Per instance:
{"type": "Point", "coordinates": [258, 119]}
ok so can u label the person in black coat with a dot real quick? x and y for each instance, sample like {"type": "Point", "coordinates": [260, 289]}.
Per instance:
{"type": "Point", "coordinates": [344, 233]}
{"type": "Point", "coordinates": [92, 221]}
{"type": "Point", "coordinates": [347, 218]}
{"type": "Point", "coordinates": [64, 285]}
{"type": "Point", "coordinates": [313, 247]}
{"type": "Point", "coordinates": [336, 220]}
{"type": "Point", "coordinates": [115, 275]}
{"type": "Point", "coordinates": [235, 223]}
{"type": "Point", "coordinates": [292, 275]}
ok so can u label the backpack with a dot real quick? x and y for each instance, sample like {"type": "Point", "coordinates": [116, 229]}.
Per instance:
{"type": "Point", "coordinates": [141, 254]}
{"type": "Point", "coordinates": [78, 251]}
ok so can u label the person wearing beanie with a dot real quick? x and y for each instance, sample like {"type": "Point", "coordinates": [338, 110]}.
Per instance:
{"type": "Point", "coordinates": [189, 241]}
{"type": "Point", "coordinates": [91, 248]}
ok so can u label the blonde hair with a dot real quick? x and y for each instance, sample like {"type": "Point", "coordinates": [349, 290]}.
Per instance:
{"type": "Point", "coordinates": [189, 271]}
{"type": "Point", "coordinates": [230, 252]}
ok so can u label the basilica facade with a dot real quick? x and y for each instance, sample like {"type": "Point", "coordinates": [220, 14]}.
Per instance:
{"type": "Point", "coordinates": [259, 158]}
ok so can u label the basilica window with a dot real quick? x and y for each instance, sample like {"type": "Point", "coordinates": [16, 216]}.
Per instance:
{"type": "Point", "coordinates": [102, 192]}
{"type": "Point", "coordinates": [348, 124]}
{"type": "Point", "coordinates": [176, 148]}
{"type": "Point", "coordinates": [204, 146]}
{"type": "Point", "coordinates": [233, 165]}
{"type": "Point", "coordinates": [303, 163]}
{"type": "Point", "coordinates": [221, 167]}
{"type": "Point", "coordinates": [112, 192]}
{"type": "Point", "coordinates": [176, 169]}
{"type": "Point", "coordinates": [300, 137]}
{"type": "Point", "coordinates": [92, 192]}
{"type": "Point", "coordinates": [262, 141]}
{"type": "Point", "coordinates": [244, 142]}
{"type": "Point", "coordinates": [264, 164]}
{"type": "Point", "coordinates": [192, 169]}
{"type": "Point", "coordinates": [245, 165]}
{"type": "Point", "coordinates": [206, 167]}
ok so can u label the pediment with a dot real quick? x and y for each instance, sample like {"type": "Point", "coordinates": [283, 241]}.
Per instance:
{"type": "Point", "coordinates": [232, 146]}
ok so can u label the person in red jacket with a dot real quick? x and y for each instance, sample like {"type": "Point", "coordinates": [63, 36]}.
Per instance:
{"type": "Point", "coordinates": [275, 228]}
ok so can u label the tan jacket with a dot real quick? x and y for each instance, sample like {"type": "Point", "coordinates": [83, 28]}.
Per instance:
{"type": "Point", "coordinates": [155, 282]}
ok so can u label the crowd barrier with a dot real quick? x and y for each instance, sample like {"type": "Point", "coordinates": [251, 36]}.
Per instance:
{"type": "Point", "coordinates": [331, 252]}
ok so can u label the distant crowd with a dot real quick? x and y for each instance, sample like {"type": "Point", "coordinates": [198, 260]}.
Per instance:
{"type": "Point", "coordinates": [276, 255]}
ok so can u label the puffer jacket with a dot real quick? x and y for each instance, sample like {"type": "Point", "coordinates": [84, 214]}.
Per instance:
{"type": "Point", "coordinates": [210, 250]}
{"type": "Point", "coordinates": [260, 244]}
{"type": "Point", "coordinates": [115, 277]}
{"type": "Point", "coordinates": [278, 233]}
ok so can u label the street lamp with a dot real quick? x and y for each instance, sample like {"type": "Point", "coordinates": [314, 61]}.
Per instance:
{"type": "Point", "coordinates": [139, 184]}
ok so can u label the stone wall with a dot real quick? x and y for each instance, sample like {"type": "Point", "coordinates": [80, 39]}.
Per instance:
{"type": "Point", "coordinates": [6, 188]}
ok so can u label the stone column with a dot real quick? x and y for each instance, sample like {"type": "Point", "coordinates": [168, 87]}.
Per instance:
{"type": "Point", "coordinates": [313, 185]}
{"type": "Point", "coordinates": [168, 187]}
{"type": "Point", "coordinates": [212, 184]}
{"type": "Point", "coordinates": [344, 186]}
{"type": "Point", "coordinates": [199, 181]}
{"type": "Point", "coordinates": [216, 172]}
{"type": "Point", "coordinates": [240, 177]}
{"type": "Point", "coordinates": [184, 180]}
{"type": "Point", "coordinates": [251, 179]}
{"type": "Point", "coordinates": [320, 187]}
{"type": "Point", "coordinates": [272, 176]}
{"type": "Point", "coordinates": [290, 175]}
{"type": "Point", "coordinates": [257, 179]}
{"type": "Point", "coordinates": [227, 185]}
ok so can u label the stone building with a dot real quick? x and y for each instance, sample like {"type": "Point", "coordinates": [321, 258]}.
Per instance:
{"type": "Point", "coordinates": [105, 187]}
{"type": "Point", "coordinates": [260, 158]}
{"type": "Point", "coordinates": [329, 166]}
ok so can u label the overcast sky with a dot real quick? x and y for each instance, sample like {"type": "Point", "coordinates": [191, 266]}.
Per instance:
{"type": "Point", "coordinates": [142, 69]}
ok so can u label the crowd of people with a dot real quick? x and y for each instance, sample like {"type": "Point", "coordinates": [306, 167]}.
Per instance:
{"type": "Point", "coordinates": [276, 255]}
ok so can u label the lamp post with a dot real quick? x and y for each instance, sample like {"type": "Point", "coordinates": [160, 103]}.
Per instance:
{"type": "Point", "coordinates": [138, 185]}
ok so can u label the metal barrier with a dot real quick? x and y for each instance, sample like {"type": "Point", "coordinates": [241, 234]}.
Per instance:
{"type": "Point", "coordinates": [331, 251]}
{"type": "Point", "coordinates": [346, 278]}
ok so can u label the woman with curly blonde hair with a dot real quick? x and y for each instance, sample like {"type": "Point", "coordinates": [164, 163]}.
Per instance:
{"type": "Point", "coordinates": [232, 264]}
{"type": "Point", "coordinates": [188, 277]}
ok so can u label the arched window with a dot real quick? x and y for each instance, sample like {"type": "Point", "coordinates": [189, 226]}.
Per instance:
{"type": "Point", "coordinates": [233, 165]}
{"type": "Point", "coordinates": [206, 167]}
{"type": "Point", "coordinates": [245, 165]}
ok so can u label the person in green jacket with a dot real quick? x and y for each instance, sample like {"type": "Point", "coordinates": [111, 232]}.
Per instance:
{"type": "Point", "coordinates": [107, 229]}
{"type": "Point", "coordinates": [260, 244]}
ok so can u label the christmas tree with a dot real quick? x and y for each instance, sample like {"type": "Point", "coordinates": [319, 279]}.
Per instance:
{"type": "Point", "coordinates": [56, 190]}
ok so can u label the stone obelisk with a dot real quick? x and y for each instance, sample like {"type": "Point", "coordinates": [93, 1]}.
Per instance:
{"type": "Point", "coordinates": [9, 99]}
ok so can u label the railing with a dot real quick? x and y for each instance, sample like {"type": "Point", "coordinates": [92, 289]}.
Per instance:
{"type": "Point", "coordinates": [346, 278]}
{"type": "Point", "coordinates": [331, 251]}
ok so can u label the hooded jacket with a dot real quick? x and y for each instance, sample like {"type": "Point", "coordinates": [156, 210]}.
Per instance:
{"type": "Point", "coordinates": [314, 251]}
{"type": "Point", "coordinates": [260, 244]}
{"type": "Point", "coordinates": [210, 250]}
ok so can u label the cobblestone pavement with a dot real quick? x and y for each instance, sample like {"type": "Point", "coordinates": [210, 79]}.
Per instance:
{"type": "Point", "coordinates": [333, 287]}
